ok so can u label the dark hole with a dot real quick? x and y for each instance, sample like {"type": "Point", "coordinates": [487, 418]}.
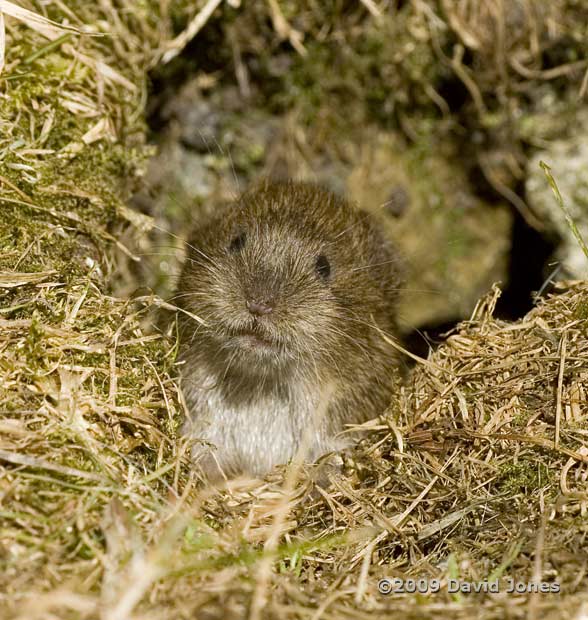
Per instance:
{"type": "Point", "coordinates": [527, 270]}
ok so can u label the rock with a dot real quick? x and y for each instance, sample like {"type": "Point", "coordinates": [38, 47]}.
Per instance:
{"type": "Point", "coordinates": [456, 245]}
{"type": "Point", "coordinates": [568, 161]}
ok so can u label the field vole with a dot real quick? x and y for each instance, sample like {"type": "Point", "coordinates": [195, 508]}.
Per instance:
{"type": "Point", "coordinates": [296, 287]}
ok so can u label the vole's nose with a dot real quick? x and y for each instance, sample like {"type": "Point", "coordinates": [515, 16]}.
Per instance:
{"type": "Point", "coordinates": [259, 308]}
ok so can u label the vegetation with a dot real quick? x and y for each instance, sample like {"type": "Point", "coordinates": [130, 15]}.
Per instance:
{"type": "Point", "coordinates": [476, 472]}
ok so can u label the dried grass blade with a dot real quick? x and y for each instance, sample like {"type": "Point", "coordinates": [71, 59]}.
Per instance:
{"type": "Point", "coordinates": [46, 27]}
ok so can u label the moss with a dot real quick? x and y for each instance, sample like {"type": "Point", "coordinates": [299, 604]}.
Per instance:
{"type": "Point", "coordinates": [580, 311]}
{"type": "Point", "coordinates": [524, 476]}
{"type": "Point", "coordinates": [34, 346]}
{"type": "Point", "coordinates": [359, 68]}
{"type": "Point", "coordinates": [89, 185]}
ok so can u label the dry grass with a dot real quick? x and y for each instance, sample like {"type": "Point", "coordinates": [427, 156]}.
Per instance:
{"type": "Point", "coordinates": [478, 471]}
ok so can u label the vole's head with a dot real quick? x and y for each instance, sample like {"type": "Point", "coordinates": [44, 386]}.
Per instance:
{"type": "Point", "coordinates": [288, 275]}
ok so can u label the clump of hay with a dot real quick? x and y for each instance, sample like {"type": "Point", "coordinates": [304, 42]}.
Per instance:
{"type": "Point", "coordinates": [477, 472]}
{"type": "Point", "coordinates": [480, 473]}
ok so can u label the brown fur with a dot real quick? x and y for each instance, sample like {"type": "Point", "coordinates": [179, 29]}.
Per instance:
{"type": "Point", "coordinates": [253, 383]}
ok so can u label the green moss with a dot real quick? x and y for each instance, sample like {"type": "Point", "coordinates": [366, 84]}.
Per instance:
{"type": "Point", "coordinates": [524, 413]}
{"type": "Point", "coordinates": [35, 346]}
{"type": "Point", "coordinates": [580, 311]}
{"type": "Point", "coordinates": [524, 476]}
{"type": "Point", "coordinates": [376, 73]}
{"type": "Point", "coordinates": [83, 190]}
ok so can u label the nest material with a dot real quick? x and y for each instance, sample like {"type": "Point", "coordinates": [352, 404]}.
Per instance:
{"type": "Point", "coordinates": [477, 472]}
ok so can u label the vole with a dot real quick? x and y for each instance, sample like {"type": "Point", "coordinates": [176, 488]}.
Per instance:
{"type": "Point", "coordinates": [297, 290]}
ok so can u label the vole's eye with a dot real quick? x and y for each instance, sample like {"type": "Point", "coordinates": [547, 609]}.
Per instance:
{"type": "Point", "coordinates": [322, 266]}
{"type": "Point", "coordinates": [237, 243]}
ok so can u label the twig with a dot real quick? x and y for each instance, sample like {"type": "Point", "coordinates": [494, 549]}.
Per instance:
{"type": "Point", "coordinates": [563, 344]}
{"type": "Point", "coordinates": [29, 461]}
{"type": "Point", "coordinates": [584, 85]}
{"type": "Point", "coordinates": [175, 46]}
{"type": "Point", "coordinates": [2, 41]}
{"type": "Point", "coordinates": [362, 582]}
{"type": "Point", "coordinates": [284, 29]}
{"type": "Point", "coordinates": [515, 200]}
{"type": "Point", "coordinates": [372, 7]}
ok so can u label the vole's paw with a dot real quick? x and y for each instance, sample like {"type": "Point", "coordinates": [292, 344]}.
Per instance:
{"type": "Point", "coordinates": [324, 471]}
{"type": "Point", "coordinates": [207, 465]}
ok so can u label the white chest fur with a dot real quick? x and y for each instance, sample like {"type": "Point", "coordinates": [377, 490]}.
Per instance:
{"type": "Point", "coordinates": [254, 434]}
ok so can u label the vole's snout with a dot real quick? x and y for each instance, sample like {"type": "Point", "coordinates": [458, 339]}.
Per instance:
{"type": "Point", "coordinates": [260, 293]}
{"type": "Point", "coordinates": [259, 308]}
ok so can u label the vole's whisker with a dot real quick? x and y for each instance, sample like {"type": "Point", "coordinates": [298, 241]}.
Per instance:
{"type": "Point", "coordinates": [228, 366]}
{"type": "Point", "coordinates": [364, 217]}
{"type": "Point", "coordinates": [189, 295]}
{"type": "Point", "coordinates": [386, 262]}
{"type": "Point", "coordinates": [371, 325]}
{"type": "Point", "coordinates": [198, 251]}
{"type": "Point", "coordinates": [405, 289]}
{"type": "Point", "coordinates": [233, 170]}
